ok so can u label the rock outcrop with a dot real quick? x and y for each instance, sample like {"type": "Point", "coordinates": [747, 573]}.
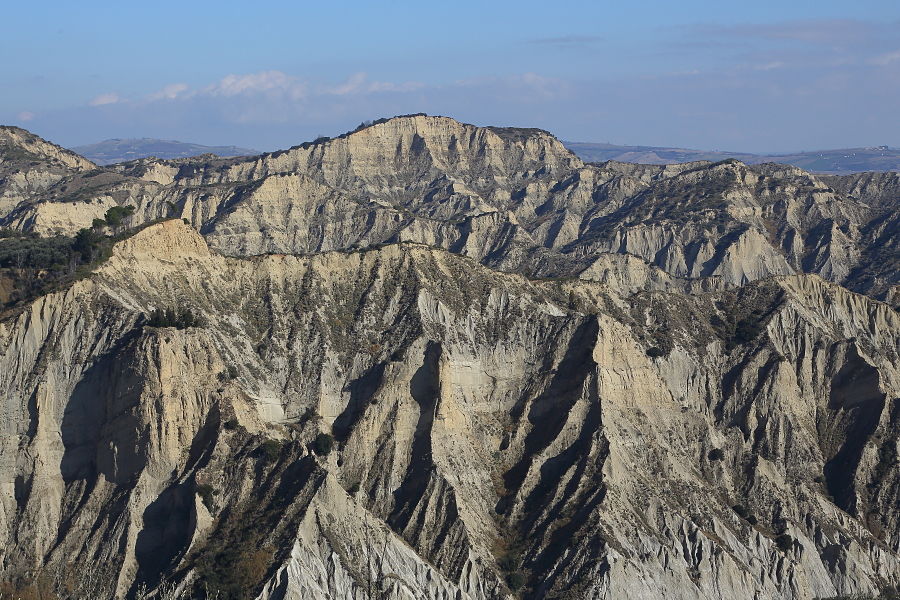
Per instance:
{"type": "Point", "coordinates": [431, 360]}
{"type": "Point", "coordinates": [513, 199]}
{"type": "Point", "coordinates": [729, 444]}
{"type": "Point", "coordinates": [29, 166]}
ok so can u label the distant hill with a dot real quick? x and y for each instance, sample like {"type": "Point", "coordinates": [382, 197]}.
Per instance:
{"type": "Point", "coordinates": [119, 150]}
{"type": "Point", "coordinates": [842, 161]}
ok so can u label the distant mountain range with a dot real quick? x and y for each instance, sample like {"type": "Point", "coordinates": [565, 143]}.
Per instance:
{"type": "Point", "coordinates": [120, 150]}
{"type": "Point", "coordinates": [841, 161]}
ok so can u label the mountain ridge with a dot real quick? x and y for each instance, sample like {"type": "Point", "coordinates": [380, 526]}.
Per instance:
{"type": "Point", "coordinates": [115, 150]}
{"type": "Point", "coordinates": [427, 359]}
{"type": "Point", "coordinates": [438, 181]}
{"type": "Point", "coordinates": [841, 161]}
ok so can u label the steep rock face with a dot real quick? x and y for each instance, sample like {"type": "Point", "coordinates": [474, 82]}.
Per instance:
{"type": "Point", "coordinates": [29, 166]}
{"type": "Point", "coordinates": [727, 444]}
{"type": "Point", "coordinates": [513, 199]}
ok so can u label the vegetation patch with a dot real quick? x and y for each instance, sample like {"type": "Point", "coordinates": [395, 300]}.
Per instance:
{"type": "Point", "coordinates": [179, 318]}
{"type": "Point", "coordinates": [323, 444]}
{"type": "Point", "coordinates": [32, 266]}
{"type": "Point", "coordinates": [270, 450]}
{"type": "Point", "coordinates": [206, 493]}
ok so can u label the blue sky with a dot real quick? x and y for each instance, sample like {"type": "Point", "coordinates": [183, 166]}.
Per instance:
{"type": "Point", "coordinates": [761, 76]}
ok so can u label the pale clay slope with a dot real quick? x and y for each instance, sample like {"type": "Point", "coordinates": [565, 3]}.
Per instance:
{"type": "Point", "coordinates": [454, 391]}
{"type": "Point", "coordinates": [33, 168]}
{"type": "Point", "coordinates": [512, 199]}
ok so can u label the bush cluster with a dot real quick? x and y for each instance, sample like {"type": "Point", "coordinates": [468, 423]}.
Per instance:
{"type": "Point", "coordinates": [206, 493]}
{"type": "Point", "coordinates": [178, 318]}
{"type": "Point", "coordinates": [116, 214]}
{"type": "Point", "coordinates": [323, 444]}
{"type": "Point", "coordinates": [270, 449]}
{"type": "Point", "coordinates": [784, 542]}
{"type": "Point", "coordinates": [36, 265]}
{"type": "Point", "coordinates": [744, 513]}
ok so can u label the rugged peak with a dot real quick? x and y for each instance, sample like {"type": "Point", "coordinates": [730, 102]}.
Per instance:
{"type": "Point", "coordinates": [20, 144]}
{"type": "Point", "coordinates": [429, 124]}
{"type": "Point", "coordinates": [419, 143]}
{"type": "Point", "coordinates": [406, 137]}
{"type": "Point", "coordinates": [424, 120]}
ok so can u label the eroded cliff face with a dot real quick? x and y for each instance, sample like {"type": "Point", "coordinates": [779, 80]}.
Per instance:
{"type": "Point", "coordinates": [647, 437]}
{"type": "Point", "coordinates": [512, 199]}
{"type": "Point", "coordinates": [29, 166]}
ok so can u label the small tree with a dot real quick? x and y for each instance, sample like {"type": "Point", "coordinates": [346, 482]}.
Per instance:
{"type": "Point", "coordinates": [87, 244]}
{"type": "Point", "coordinates": [180, 319]}
{"type": "Point", "coordinates": [115, 215]}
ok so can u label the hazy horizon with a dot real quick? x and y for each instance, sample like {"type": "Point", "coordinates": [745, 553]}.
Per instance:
{"type": "Point", "coordinates": [567, 141]}
{"type": "Point", "coordinates": [762, 78]}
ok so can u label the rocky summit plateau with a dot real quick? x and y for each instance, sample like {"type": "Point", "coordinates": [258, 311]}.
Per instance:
{"type": "Point", "coordinates": [429, 360]}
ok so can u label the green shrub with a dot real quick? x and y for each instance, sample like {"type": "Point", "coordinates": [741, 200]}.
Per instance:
{"type": "Point", "coordinates": [654, 352]}
{"type": "Point", "coordinates": [177, 318]}
{"type": "Point", "coordinates": [310, 414]}
{"type": "Point", "coordinates": [228, 374]}
{"type": "Point", "coordinates": [230, 424]}
{"type": "Point", "coordinates": [784, 542]}
{"type": "Point", "coordinates": [509, 561]}
{"type": "Point", "coordinates": [716, 454]}
{"type": "Point", "coordinates": [323, 444]}
{"type": "Point", "coordinates": [87, 243]}
{"type": "Point", "coordinates": [270, 449]}
{"type": "Point", "coordinates": [115, 215]}
{"type": "Point", "coordinates": [232, 571]}
{"type": "Point", "coordinates": [515, 580]}
{"type": "Point", "coordinates": [38, 265]}
{"type": "Point", "coordinates": [747, 330]}
{"type": "Point", "coordinates": [206, 493]}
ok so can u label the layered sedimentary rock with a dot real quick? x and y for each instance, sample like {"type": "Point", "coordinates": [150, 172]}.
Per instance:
{"type": "Point", "coordinates": [431, 360]}
{"type": "Point", "coordinates": [29, 166]}
{"type": "Point", "coordinates": [736, 443]}
{"type": "Point", "coordinates": [513, 199]}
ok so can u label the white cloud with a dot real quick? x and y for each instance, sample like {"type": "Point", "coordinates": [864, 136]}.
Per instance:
{"type": "Point", "coordinates": [103, 99]}
{"type": "Point", "coordinates": [386, 86]}
{"type": "Point", "coordinates": [359, 83]}
{"type": "Point", "coordinates": [769, 66]}
{"type": "Point", "coordinates": [885, 59]}
{"type": "Point", "coordinates": [25, 116]}
{"type": "Point", "coordinates": [353, 84]}
{"type": "Point", "coordinates": [269, 82]}
{"type": "Point", "coordinates": [170, 92]}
